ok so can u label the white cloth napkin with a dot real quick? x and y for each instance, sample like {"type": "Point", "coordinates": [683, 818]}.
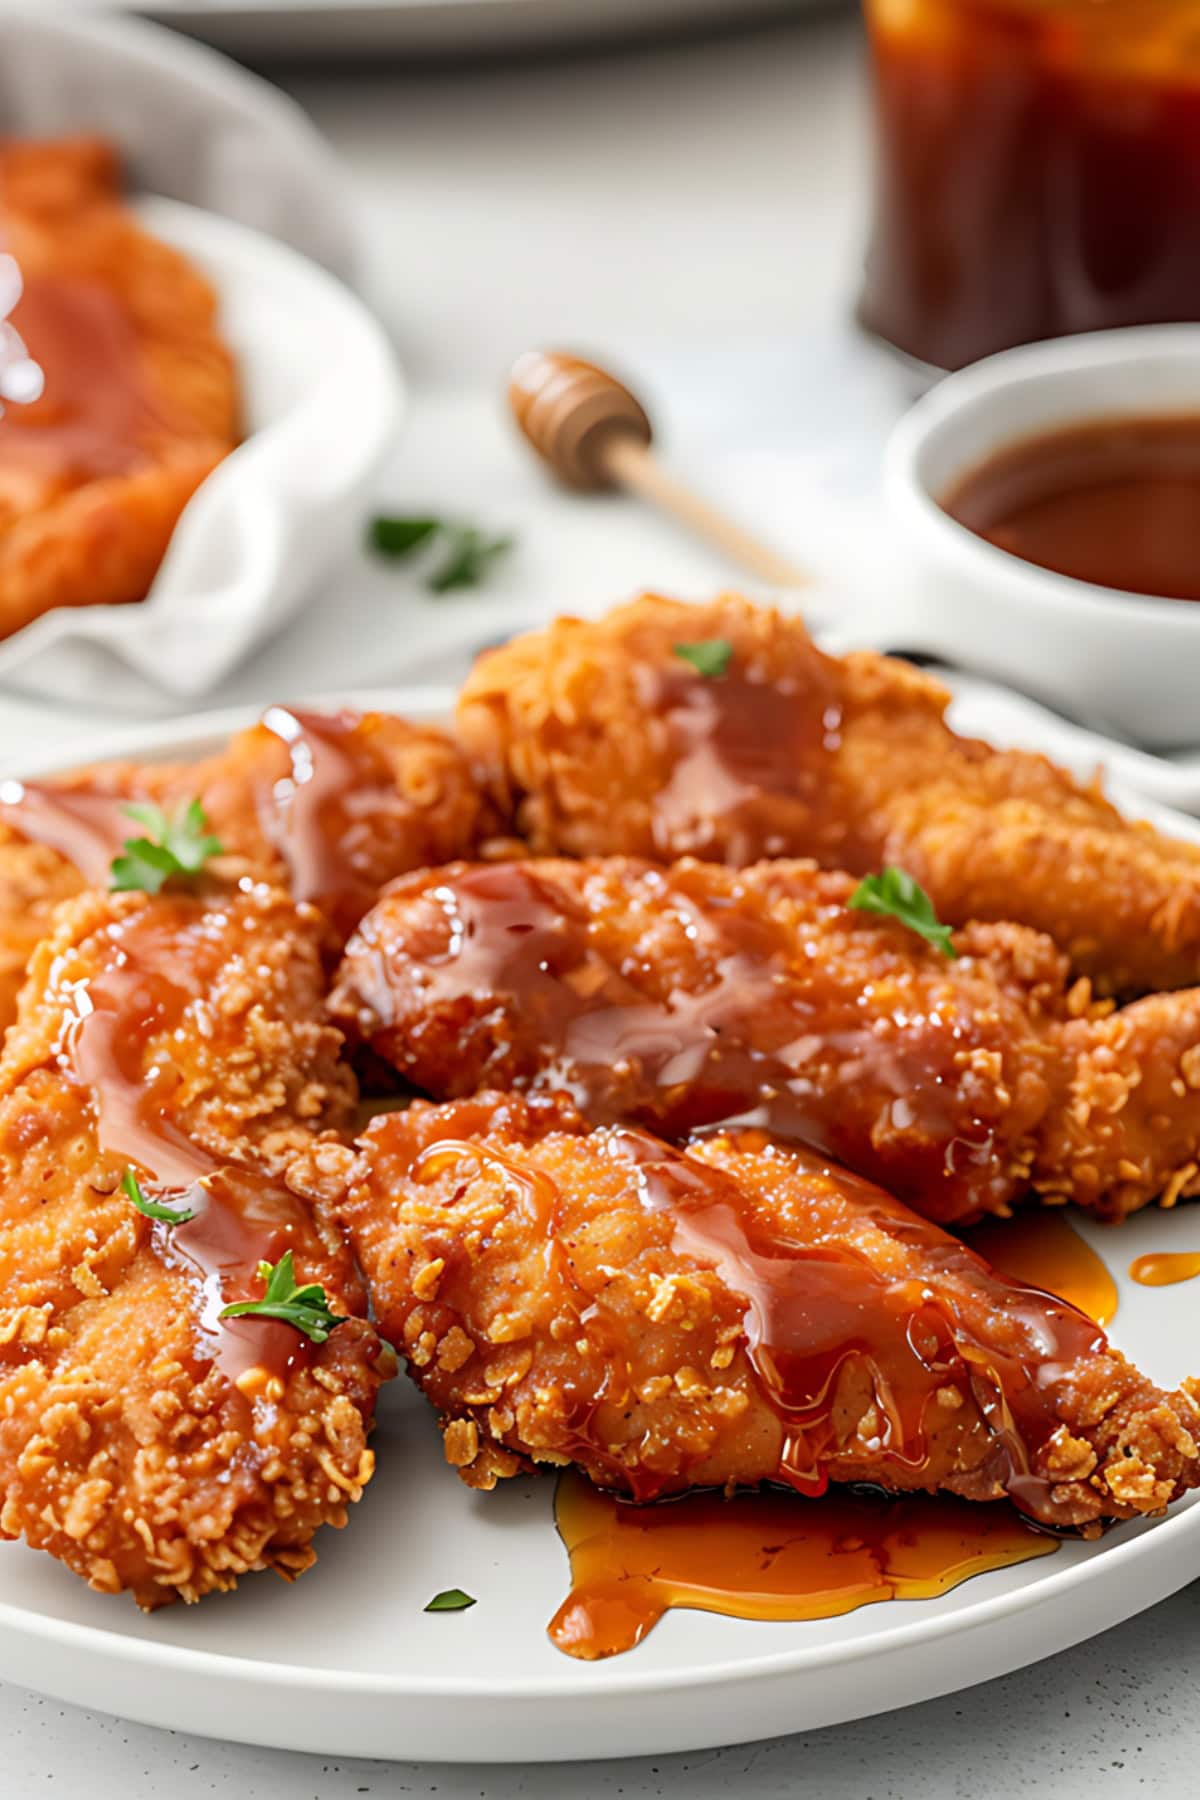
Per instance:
{"type": "Point", "coordinates": [189, 123]}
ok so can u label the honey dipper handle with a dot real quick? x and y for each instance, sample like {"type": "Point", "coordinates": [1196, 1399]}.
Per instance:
{"type": "Point", "coordinates": [632, 464]}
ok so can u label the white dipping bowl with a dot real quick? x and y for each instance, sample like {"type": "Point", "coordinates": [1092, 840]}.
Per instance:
{"type": "Point", "coordinates": [321, 399]}
{"type": "Point", "coordinates": [1129, 664]}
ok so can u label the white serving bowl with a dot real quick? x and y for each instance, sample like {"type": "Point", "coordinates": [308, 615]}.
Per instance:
{"type": "Point", "coordinates": [1128, 664]}
{"type": "Point", "coordinates": [321, 402]}
{"type": "Point", "coordinates": [188, 123]}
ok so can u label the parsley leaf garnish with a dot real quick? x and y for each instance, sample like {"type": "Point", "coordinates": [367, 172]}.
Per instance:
{"type": "Point", "coordinates": [397, 537]}
{"type": "Point", "coordinates": [178, 846]}
{"type": "Point", "coordinates": [710, 656]}
{"type": "Point", "coordinates": [469, 551]}
{"type": "Point", "coordinates": [451, 1600]}
{"type": "Point", "coordinates": [150, 1209]}
{"type": "Point", "coordinates": [469, 555]}
{"type": "Point", "coordinates": [307, 1308]}
{"type": "Point", "coordinates": [898, 895]}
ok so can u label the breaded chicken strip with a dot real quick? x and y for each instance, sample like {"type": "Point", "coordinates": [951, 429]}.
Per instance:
{"type": "Point", "coordinates": [140, 399]}
{"type": "Point", "coordinates": [56, 838]}
{"type": "Point", "coordinates": [681, 997]}
{"type": "Point", "coordinates": [332, 807]}
{"type": "Point", "coordinates": [600, 738]}
{"type": "Point", "coordinates": [145, 1441]}
{"type": "Point", "coordinates": [738, 1314]}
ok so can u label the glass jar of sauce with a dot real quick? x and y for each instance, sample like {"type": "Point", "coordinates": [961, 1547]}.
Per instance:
{"type": "Point", "coordinates": [1037, 171]}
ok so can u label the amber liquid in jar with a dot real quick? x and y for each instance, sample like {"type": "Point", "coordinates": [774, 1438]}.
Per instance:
{"type": "Point", "coordinates": [1037, 171]}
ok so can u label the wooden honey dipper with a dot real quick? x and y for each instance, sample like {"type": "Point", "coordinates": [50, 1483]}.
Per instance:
{"type": "Point", "coordinates": [594, 434]}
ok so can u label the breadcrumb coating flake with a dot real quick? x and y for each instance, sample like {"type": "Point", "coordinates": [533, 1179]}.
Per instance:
{"type": "Point", "coordinates": [685, 996]}
{"type": "Point", "coordinates": [734, 1314]}
{"type": "Point", "coordinates": [145, 1441]}
{"type": "Point", "coordinates": [595, 739]}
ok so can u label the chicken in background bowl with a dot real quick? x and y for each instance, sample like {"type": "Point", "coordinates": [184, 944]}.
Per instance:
{"type": "Point", "coordinates": [140, 397]}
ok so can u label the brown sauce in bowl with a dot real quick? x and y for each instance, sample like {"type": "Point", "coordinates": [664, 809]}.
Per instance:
{"type": "Point", "coordinates": [1113, 501]}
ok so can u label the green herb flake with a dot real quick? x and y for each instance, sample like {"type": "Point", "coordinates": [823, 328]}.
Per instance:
{"type": "Point", "coordinates": [399, 537]}
{"type": "Point", "coordinates": [709, 657]}
{"type": "Point", "coordinates": [174, 847]}
{"type": "Point", "coordinates": [306, 1308]}
{"type": "Point", "coordinates": [468, 552]}
{"type": "Point", "coordinates": [450, 1600]}
{"type": "Point", "coordinates": [150, 1209]}
{"type": "Point", "coordinates": [900, 897]}
{"type": "Point", "coordinates": [469, 556]}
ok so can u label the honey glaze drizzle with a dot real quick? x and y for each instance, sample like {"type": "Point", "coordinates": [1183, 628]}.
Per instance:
{"type": "Point", "coordinates": [812, 1307]}
{"type": "Point", "coordinates": [241, 1218]}
{"type": "Point", "coordinates": [96, 416]}
{"type": "Point", "coordinates": [89, 828]}
{"type": "Point", "coordinates": [766, 1555]}
{"type": "Point", "coordinates": [741, 745]}
{"type": "Point", "coordinates": [536, 1193]}
{"type": "Point", "coordinates": [1163, 1268]}
{"type": "Point", "coordinates": [752, 1044]}
{"type": "Point", "coordinates": [1041, 1247]}
{"type": "Point", "coordinates": [303, 815]}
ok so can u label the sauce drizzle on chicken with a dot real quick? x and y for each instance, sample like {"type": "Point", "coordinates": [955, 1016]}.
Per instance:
{"type": "Point", "coordinates": [736, 740]}
{"type": "Point", "coordinates": [241, 1217]}
{"type": "Point", "coordinates": [82, 823]}
{"type": "Point", "coordinates": [809, 1310]}
{"type": "Point", "coordinates": [752, 1041]}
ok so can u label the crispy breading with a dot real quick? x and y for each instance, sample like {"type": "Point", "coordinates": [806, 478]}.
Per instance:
{"type": "Point", "coordinates": [83, 812]}
{"type": "Point", "coordinates": [683, 996]}
{"type": "Point", "coordinates": [333, 807]}
{"type": "Point", "coordinates": [140, 400]}
{"type": "Point", "coordinates": [405, 798]}
{"type": "Point", "coordinates": [144, 1442]}
{"type": "Point", "coordinates": [597, 738]}
{"type": "Point", "coordinates": [735, 1314]}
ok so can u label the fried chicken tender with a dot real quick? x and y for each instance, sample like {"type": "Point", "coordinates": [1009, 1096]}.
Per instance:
{"type": "Point", "coordinates": [598, 738]}
{"type": "Point", "coordinates": [140, 400]}
{"type": "Point", "coordinates": [736, 1314]}
{"type": "Point", "coordinates": [682, 997]}
{"type": "Point", "coordinates": [71, 830]}
{"type": "Point", "coordinates": [144, 1441]}
{"type": "Point", "coordinates": [333, 808]}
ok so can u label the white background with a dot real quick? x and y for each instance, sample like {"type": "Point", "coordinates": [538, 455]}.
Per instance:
{"type": "Point", "coordinates": [688, 208]}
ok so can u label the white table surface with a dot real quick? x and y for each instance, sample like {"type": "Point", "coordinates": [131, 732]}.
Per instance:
{"type": "Point", "coordinates": [691, 208]}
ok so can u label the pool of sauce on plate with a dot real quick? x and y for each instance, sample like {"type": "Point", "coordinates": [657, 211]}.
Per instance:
{"type": "Point", "coordinates": [242, 1217]}
{"type": "Point", "coordinates": [759, 1039]}
{"type": "Point", "coordinates": [768, 1555]}
{"type": "Point", "coordinates": [1115, 502]}
{"type": "Point", "coordinates": [94, 418]}
{"type": "Point", "coordinates": [1163, 1268]}
{"type": "Point", "coordinates": [1041, 1247]}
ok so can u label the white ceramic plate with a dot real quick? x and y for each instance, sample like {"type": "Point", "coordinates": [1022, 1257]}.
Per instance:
{"type": "Point", "coordinates": [440, 26]}
{"type": "Point", "coordinates": [348, 1663]}
{"type": "Point", "coordinates": [322, 400]}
